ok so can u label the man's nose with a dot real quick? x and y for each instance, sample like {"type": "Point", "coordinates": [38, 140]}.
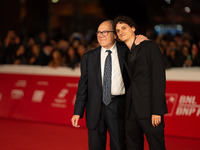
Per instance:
{"type": "Point", "coordinates": [120, 32]}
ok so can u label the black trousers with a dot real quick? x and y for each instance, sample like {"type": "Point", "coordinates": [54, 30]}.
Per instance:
{"type": "Point", "coordinates": [135, 130]}
{"type": "Point", "coordinates": [112, 119]}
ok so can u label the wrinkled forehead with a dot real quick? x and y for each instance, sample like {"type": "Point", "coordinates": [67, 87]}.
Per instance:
{"type": "Point", "coordinates": [105, 26]}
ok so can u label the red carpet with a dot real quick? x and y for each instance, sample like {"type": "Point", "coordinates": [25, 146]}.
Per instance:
{"type": "Point", "coordinates": [23, 135]}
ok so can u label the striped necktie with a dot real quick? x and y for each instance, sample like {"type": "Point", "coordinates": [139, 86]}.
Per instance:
{"type": "Point", "coordinates": [107, 79]}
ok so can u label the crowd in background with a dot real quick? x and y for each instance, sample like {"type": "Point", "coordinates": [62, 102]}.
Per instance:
{"type": "Point", "coordinates": [45, 49]}
{"type": "Point", "coordinates": [179, 50]}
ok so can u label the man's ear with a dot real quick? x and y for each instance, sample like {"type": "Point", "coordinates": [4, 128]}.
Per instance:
{"type": "Point", "coordinates": [133, 29]}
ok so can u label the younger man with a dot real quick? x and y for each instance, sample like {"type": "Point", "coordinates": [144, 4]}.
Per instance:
{"type": "Point", "coordinates": [146, 103]}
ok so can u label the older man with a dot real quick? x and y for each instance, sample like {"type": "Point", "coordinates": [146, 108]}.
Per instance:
{"type": "Point", "coordinates": [101, 91]}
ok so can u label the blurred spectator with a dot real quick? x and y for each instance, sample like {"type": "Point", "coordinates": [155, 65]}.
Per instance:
{"type": "Point", "coordinates": [56, 59]}
{"type": "Point", "coordinates": [195, 55]}
{"type": "Point", "coordinates": [44, 57]}
{"type": "Point", "coordinates": [33, 57]}
{"type": "Point", "coordinates": [11, 43]}
{"type": "Point", "coordinates": [187, 57]}
{"type": "Point", "coordinates": [71, 58]}
{"type": "Point", "coordinates": [174, 55]}
{"type": "Point", "coordinates": [19, 56]}
{"type": "Point", "coordinates": [81, 50]}
{"type": "Point", "coordinates": [179, 41]}
{"type": "Point", "coordinates": [187, 43]}
{"type": "Point", "coordinates": [172, 58]}
{"type": "Point", "coordinates": [163, 48]}
{"type": "Point", "coordinates": [62, 45]}
{"type": "Point", "coordinates": [75, 43]}
{"type": "Point", "coordinates": [11, 39]}
{"type": "Point", "coordinates": [30, 42]}
{"type": "Point", "coordinates": [43, 38]}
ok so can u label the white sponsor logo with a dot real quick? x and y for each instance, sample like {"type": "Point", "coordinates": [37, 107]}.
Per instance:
{"type": "Point", "coordinates": [60, 101]}
{"type": "Point", "coordinates": [63, 93]}
{"type": "Point", "coordinates": [188, 106]}
{"type": "Point", "coordinates": [38, 96]}
{"type": "Point", "coordinates": [58, 105]}
{"type": "Point", "coordinates": [72, 84]}
{"type": "Point", "coordinates": [44, 83]}
{"type": "Point", "coordinates": [17, 94]}
{"type": "Point", "coordinates": [21, 83]}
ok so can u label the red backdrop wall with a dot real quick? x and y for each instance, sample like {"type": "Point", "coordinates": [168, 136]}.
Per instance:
{"type": "Point", "coordinates": [48, 95]}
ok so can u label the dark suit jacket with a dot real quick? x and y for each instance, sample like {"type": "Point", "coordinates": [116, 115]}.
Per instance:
{"type": "Point", "coordinates": [89, 94]}
{"type": "Point", "coordinates": [146, 95]}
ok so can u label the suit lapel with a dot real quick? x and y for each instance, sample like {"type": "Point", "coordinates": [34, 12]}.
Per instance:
{"type": "Point", "coordinates": [97, 65]}
{"type": "Point", "coordinates": [121, 53]}
{"type": "Point", "coordinates": [132, 57]}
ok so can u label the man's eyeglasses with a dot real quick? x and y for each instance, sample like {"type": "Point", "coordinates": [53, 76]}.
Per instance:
{"type": "Point", "coordinates": [104, 33]}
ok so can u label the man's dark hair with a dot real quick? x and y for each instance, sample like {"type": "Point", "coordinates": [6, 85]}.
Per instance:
{"type": "Point", "coordinates": [123, 19]}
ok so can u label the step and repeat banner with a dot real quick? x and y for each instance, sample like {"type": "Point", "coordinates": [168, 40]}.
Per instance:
{"type": "Point", "coordinates": [48, 95]}
{"type": "Point", "coordinates": [38, 93]}
{"type": "Point", "coordinates": [183, 101]}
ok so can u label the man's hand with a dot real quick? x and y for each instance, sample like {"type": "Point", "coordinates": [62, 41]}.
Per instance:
{"type": "Point", "coordinates": [140, 38]}
{"type": "Point", "coordinates": [74, 120]}
{"type": "Point", "coordinates": [156, 120]}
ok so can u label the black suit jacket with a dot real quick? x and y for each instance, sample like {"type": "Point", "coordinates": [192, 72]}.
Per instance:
{"type": "Point", "coordinates": [146, 95]}
{"type": "Point", "coordinates": [89, 94]}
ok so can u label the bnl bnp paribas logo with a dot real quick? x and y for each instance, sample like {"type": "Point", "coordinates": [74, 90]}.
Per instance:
{"type": "Point", "coordinates": [183, 105]}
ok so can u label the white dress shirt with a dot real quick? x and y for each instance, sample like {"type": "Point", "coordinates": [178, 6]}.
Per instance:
{"type": "Point", "coordinates": [117, 84]}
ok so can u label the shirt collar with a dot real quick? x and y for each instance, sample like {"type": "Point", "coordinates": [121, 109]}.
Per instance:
{"type": "Point", "coordinates": [111, 49]}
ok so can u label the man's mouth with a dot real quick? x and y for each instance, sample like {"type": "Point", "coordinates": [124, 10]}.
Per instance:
{"type": "Point", "coordinates": [122, 35]}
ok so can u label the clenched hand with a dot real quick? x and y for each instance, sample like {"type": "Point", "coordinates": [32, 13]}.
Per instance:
{"type": "Point", "coordinates": [74, 120]}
